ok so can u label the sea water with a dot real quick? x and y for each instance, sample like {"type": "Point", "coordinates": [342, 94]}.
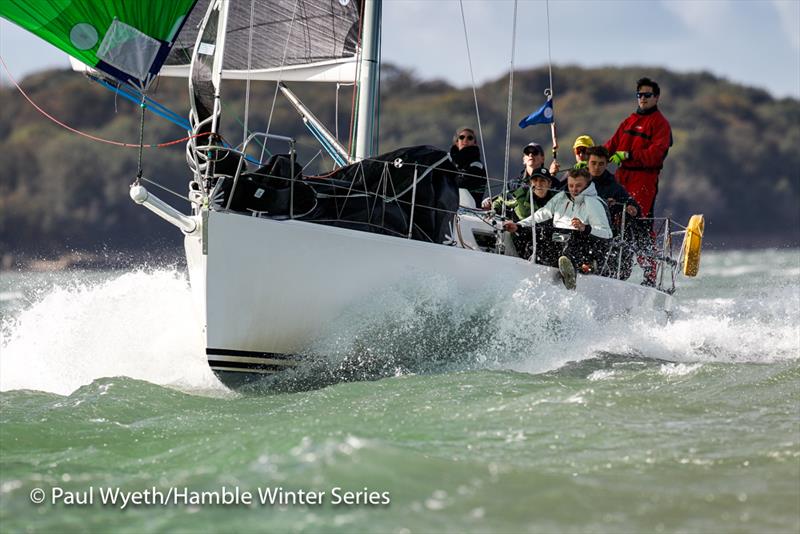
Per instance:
{"type": "Point", "coordinates": [422, 411]}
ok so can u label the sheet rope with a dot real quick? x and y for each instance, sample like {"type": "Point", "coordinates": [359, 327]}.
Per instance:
{"type": "Point", "coordinates": [88, 135]}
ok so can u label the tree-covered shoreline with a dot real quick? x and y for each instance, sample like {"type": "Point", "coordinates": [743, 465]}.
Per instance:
{"type": "Point", "coordinates": [735, 156]}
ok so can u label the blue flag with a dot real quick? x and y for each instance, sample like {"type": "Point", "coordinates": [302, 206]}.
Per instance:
{"type": "Point", "coordinates": [543, 115]}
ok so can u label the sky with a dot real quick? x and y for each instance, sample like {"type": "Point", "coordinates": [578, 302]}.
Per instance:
{"type": "Point", "coordinates": [753, 42]}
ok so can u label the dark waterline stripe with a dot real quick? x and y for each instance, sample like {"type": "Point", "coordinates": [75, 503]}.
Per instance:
{"type": "Point", "coordinates": [246, 366]}
{"type": "Point", "coordinates": [230, 371]}
{"type": "Point", "coordinates": [257, 361]}
{"type": "Point", "coordinates": [248, 353]}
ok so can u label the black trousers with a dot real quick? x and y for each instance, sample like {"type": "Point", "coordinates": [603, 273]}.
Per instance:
{"type": "Point", "coordinates": [546, 252]}
{"type": "Point", "coordinates": [580, 248]}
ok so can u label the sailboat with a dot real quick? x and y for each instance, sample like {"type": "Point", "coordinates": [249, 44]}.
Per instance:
{"type": "Point", "coordinates": [273, 255]}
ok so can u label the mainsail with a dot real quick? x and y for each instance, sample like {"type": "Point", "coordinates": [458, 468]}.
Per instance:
{"type": "Point", "coordinates": [290, 40]}
{"type": "Point", "coordinates": [127, 40]}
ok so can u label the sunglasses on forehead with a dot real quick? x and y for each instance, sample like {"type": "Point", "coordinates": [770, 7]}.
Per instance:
{"type": "Point", "coordinates": [644, 95]}
{"type": "Point", "coordinates": [467, 137]}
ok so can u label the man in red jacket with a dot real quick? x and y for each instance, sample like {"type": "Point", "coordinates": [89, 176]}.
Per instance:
{"type": "Point", "coordinates": [639, 147]}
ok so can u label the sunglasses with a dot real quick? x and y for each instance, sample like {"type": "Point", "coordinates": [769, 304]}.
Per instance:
{"type": "Point", "coordinates": [644, 95]}
{"type": "Point", "coordinates": [467, 137]}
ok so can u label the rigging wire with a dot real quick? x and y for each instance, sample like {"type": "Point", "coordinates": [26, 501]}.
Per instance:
{"type": "Point", "coordinates": [549, 54]}
{"type": "Point", "coordinates": [377, 106]}
{"type": "Point", "coordinates": [510, 102]}
{"type": "Point", "coordinates": [356, 86]}
{"type": "Point", "coordinates": [249, 65]}
{"type": "Point", "coordinates": [280, 74]}
{"type": "Point", "coordinates": [550, 93]}
{"type": "Point", "coordinates": [152, 105]}
{"type": "Point", "coordinates": [475, 97]}
{"type": "Point", "coordinates": [336, 111]}
{"type": "Point", "coordinates": [339, 85]}
{"type": "Point", "coordinates": [141, 139]}
{"type": "Point", "coordinates": [167, 189]}
{"type": "Point", "coordinates": [87, 135]}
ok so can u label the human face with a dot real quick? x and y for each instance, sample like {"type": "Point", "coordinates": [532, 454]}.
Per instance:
{"type": "Point", "coordinates": [533, 161]}
{"type": "Point", "coordinates": [465, 138]}
{"type": "Point", "coordinates": [576, 184]}
{"type": "Point", "coordinates": [646, 98]}
{"type": "Point", "coordinates": [540, 186]}
{"type": "Point", "coordinates": [597, 165]}
{"type": "Point", "coordinates": [580, 153]}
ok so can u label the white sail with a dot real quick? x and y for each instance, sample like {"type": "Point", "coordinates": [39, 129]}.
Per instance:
{"type": "Point", "coordinates": [289, 40]}
{"type": "Point", "coordinates": [326, 71]}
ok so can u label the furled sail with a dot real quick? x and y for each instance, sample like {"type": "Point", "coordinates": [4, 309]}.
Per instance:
{"type": "Point", "coordinates": [290, 40]}
{"type": "Point", "coordinates": [130, 40]}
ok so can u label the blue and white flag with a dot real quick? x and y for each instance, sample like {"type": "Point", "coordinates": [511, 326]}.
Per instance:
{"type": "Point", "coordinates": [543, 115]}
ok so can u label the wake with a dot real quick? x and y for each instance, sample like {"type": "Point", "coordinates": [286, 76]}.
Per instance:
{"type": "Point", "coordinates": [142, 325]}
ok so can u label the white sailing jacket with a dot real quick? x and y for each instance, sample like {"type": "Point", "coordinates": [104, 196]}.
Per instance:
{"type": "Point", "coordinates": [586, 206]}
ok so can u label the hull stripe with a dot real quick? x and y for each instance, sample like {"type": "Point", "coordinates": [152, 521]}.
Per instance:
{"type": "Point", "coordinates": [246, 366]}
{"type": "Point", "coordinates": [247, 353]}
{"type": "Point", "coordinates": [244, 371]}
{"type": "Point", "coordinates": [249, 359]}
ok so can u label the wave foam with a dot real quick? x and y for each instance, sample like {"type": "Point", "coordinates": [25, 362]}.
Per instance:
{"type": "Point", "coordinates": [138, 325]}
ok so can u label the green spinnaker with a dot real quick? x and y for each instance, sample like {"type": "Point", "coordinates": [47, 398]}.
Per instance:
{"type": "Point", "coordinates": [124, 38]}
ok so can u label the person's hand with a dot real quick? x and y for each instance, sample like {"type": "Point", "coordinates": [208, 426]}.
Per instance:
{"type": "Point", "coordinates": [487, 203]}
{"type": "Point", "coordinates": [554, 167]}
{"type": "Point", "coordinates": [618, 157]}
{"type": "Point", "coordinates": [610, 201]}
{"type": "Point", "coordinates": [631, 209]}
{"type": "Point", "coordinates": [510, 226]}
{"type": "Point", "coordinates": [581, 165]}
{"type": "Point", "coordinates": [578, 224]}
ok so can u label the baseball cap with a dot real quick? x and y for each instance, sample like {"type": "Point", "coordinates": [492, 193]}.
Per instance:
{"type": "Point", "coordinates": [583, 140]}
{"type": "Point", "coordinates": [541, 172]}
{"type": "Point", "coordinates": [533, 148]}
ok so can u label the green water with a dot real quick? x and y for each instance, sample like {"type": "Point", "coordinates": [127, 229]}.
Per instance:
{"type": "Point", "coordinates": [688, 427]}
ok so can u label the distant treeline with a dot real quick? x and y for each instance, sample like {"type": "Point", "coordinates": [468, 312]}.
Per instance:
{"type": "Point", "coordinates": [736, 153]}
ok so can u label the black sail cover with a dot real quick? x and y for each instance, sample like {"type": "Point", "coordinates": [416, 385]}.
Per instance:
{"type": "Point", "coordinates": [374, 195]}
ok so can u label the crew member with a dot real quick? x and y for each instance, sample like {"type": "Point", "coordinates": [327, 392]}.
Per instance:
{"type": "Point", "coordinates": [640, 145]}
{"type": "Point", "coordinates": [578, 214]}
{"type": "Point", "coordinates": [466, 157]}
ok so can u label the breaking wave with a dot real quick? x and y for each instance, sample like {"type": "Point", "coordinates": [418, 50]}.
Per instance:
{"type": "Point", "coordinates": [141, 325]}
{"type": "Point", "coordinates": [138, 324]}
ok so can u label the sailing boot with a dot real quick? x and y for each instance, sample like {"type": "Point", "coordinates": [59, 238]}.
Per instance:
{"type": "Point", "coordinates": [567, 271]}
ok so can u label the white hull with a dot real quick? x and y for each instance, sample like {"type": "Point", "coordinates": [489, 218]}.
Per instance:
{"type": "Point", "coordinates": [266, 288]}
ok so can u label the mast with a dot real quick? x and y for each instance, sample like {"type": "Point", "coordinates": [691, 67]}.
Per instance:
{"type": "Point", "coordinates": [369, 69]}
